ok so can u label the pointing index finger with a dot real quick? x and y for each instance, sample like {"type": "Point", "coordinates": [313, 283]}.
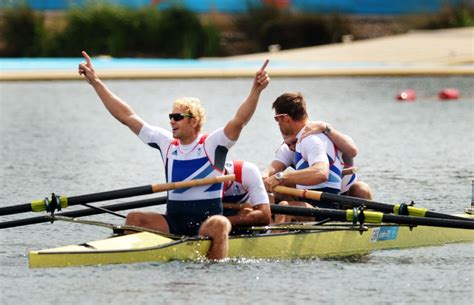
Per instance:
{"type": "Point", "coordinates": [86, 56]}
{"type": "Point", "coordinates": [264, 65]}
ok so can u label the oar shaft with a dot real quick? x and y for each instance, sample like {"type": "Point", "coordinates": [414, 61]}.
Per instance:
{"type": "Point", "coordinates": [14, 209]}
{"type": "Point", "coordinates": [335, 215]}
{"type": "Point", "coordinates": [356, 202]}
{"type": "Point", "coordinates": [372, 217]}
{"type": "Point", "coordinates": [86, 212]}
{"type": "Point", "coordinates": [387, 208]}
{"type": "Point", "coordinates": [328, 197]}
{"type": "Point", "coordinates": [236, 206]}
{"type": "Point", "coordinates": [40, 205]}
{"type": "Point", "coordinates": [428, 221]}
{"type": "Point", "coordinates": [111, 195]}
{"type": "Point", "coordinates": [190, 183]}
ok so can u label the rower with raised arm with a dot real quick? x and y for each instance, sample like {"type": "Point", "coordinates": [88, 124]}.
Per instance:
{"type": "Point", "coordinates": [187, 154]}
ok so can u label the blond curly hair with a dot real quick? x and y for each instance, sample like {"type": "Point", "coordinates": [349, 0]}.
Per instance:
{"type": "Point", "coordinates": [192, 105]}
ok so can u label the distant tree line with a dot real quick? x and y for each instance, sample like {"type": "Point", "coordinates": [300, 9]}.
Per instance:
{"type": "Point", "coordinates": [178, 32]}
{"type": "Point", "coordinates": [111, 30]}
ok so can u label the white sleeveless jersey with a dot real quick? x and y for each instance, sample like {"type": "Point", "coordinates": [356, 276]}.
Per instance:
{"type": "Point", "coordinates": [285, 155]}
{"type": "Point", "coordinates": [203, 158]}
{"type": "Point", "coordinates": [312, 149]}
{"type": "Point", "coordinates": [248, 186]}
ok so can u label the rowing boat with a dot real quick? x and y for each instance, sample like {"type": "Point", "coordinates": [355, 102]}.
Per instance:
{"type": "Point", "coordinates": [340, 233]}
{"type": "Point", "coordinates": [299, 241]}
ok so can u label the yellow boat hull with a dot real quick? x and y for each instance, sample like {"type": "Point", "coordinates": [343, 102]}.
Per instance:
{"type": "Point", "coordinates": [151, 247]}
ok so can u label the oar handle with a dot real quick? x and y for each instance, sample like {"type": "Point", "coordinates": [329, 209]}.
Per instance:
{"type": "Point", "coordinates": [191, 183]}
{"type": "Point", "coordinates": [236, 206]}
{"type": "Point", "coordinates": [63, 201]}
{"type": "Point", "coordinates": [315, 195]}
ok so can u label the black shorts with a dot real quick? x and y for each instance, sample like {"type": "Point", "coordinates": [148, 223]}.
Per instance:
{"type": "Point", "coordinates": [186, 217]}
{"type": "Point", "coordinates": [231, 212]}
{"type": "Point", "coordinates": [184, 224]}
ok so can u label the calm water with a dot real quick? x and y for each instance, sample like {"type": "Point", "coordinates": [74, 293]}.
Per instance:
{"type": "Point", "coordinates": [57, 137]}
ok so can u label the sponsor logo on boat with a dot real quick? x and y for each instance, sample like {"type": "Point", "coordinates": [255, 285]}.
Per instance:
{"type": "Point", "coordinates": [384, 233]}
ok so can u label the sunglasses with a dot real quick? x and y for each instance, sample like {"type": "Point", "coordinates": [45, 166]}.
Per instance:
{"type": "Point", "coordinates": [276, 117]}
{"type": "Point", "coordinates": [179, 116]}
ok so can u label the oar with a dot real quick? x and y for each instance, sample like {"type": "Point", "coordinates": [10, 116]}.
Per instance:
{"type": "Point", "coordinates": [357, 216]}
{"type": "Point", "coordinates": [335, 215]}
{"type": "Point", "coordinates": [86, 212]}
{"type": "Point", "coordinates": [399, 209]}
{"type": "Point", "coordinates": [62, 201]}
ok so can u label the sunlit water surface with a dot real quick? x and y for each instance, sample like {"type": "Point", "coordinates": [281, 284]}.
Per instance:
{"type": "Point", "coordinates": [57, 137]}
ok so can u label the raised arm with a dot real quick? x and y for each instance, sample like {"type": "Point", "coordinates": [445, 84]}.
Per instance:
{"type": "Point", "coordinates": [116, 106]}
{"type": "Point", "coordinates": [343, 142]}
{"type": "Point", "coordinates": [247, 108]}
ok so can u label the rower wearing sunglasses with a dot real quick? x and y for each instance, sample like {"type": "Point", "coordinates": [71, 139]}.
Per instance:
{"type": "Point", "coordinates": [187, 155]}
{"type": "Point", "coordinates": [350, 185]}
{"type": "Point", "coordinates": [315, 150]}
{"type": "Point", "coordinates": [317, 161]}
{"type": "Point", "coordinates": [285, 157]}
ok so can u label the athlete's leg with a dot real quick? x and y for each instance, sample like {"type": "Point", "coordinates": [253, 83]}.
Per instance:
{"type": "Point", "coordinates": [217, 227]}
{"type": "Point", "coordinates": [360, 190]}
{"type": "Point", "coordinates": [148, 220]}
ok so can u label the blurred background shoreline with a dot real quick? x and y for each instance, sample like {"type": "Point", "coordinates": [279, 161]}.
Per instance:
{"type": "Point", "coordinates": [207, 38]}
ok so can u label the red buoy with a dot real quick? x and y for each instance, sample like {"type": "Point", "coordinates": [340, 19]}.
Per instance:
{"type": "Point", "coordinates": [407, 95]}
{"type": "Point", "coordinates": [449, 94]}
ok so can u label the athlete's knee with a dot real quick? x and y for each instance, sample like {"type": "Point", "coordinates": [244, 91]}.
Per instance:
{"type": "Point", "coordinates": [360, 190]}
{"type": "Point", "coordinates": [134, 219]}
{"type": "Point", "coordinates": [220, 224]}
{"type": "Point", "coordinates": [283, 203]}
{"type": "Point", "coordinates": [216, 226]}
